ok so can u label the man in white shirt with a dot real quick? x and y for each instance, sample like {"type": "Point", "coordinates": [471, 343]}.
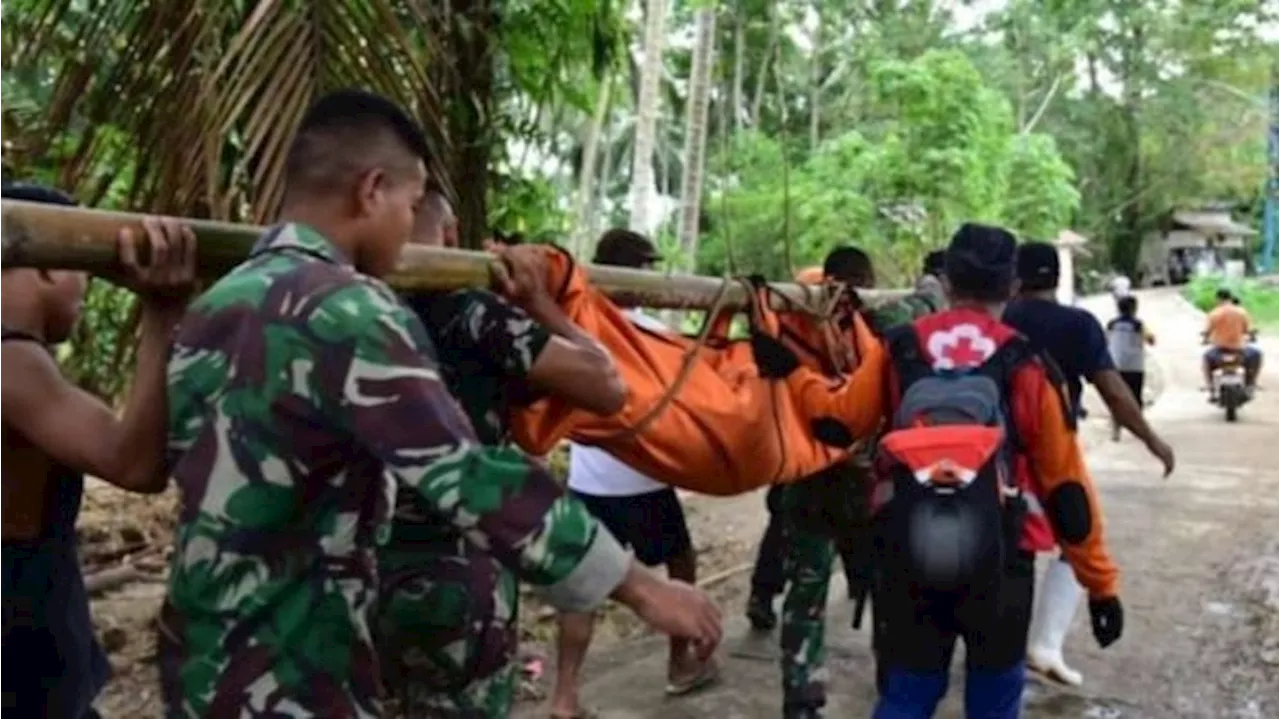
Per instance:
{"type": "Point", "coordinates": [641, 513]}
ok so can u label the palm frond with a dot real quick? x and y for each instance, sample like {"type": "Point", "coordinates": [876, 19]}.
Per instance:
{"type": "Point", "coordinates": [208, 92]}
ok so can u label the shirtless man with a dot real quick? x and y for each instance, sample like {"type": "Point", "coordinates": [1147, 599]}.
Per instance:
{"type": "Point", "coordinates": [54, 434]}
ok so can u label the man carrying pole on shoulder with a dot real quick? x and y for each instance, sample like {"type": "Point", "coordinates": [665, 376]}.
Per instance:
{"type": "Point", "coordinates": [303, 392]}
{"type": "Point", "coordinates": [446, 620]}
{"type": "Point", "coordinates": [54, 434]}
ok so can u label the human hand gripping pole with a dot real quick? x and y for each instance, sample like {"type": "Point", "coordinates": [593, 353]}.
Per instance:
{"type": "Point", "coordinates": [167, 279]}
{"type": "Point", "coordinates": [519, 272]}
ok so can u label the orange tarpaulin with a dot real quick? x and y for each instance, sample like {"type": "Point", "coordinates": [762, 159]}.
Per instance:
{"type": "Point", "coordinates": [725, 429]}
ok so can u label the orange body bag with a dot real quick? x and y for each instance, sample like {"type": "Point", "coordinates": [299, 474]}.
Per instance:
{"type": "Point", "coordinates": [726, 430]}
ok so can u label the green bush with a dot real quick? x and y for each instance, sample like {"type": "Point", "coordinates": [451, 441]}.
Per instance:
{"type": "Point", "coordinates": [1261, 301]}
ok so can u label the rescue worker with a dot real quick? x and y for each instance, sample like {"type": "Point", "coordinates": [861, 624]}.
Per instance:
{"type": "Point", "coordinates": [920, 628]}
{"type": "Point", "coordinates": [1076, 342]}
{"type": "Point", "coordinates": [302, 393]}
{"type": "Point", "coordinates": [54, 434]}
{"type": "Point", "coordinates": [824, 514]}
{"type": "Point", "coordinates": [968, 401]}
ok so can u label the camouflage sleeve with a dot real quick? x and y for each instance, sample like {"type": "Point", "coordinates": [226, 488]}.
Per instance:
{"type": "Point", "coordinates": [899, 312]}
{"type": "Point", "coordinates": [482, 325]}
{"type": "Point", "coordinates": [394, 402]}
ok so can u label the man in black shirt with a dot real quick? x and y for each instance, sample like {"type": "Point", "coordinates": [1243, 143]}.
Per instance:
{"type": "Point", "coordinates": [1075, 341]}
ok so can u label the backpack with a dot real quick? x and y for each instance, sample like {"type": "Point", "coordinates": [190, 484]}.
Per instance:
{"type": "Point", "coordinates": [953, 513]}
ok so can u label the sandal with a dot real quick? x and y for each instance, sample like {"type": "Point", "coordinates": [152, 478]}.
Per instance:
{"type": "Point", "coordinates": [709, 675]}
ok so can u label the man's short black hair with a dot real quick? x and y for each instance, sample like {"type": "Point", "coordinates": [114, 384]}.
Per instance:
{"type": "Point", "coordinates": [347, 132]}
{"type": "Point", "coordinates": [935, 263]}
{"type": "Point", "coordinates": [1224, 294]}
{"type": "Point", "coordinates": [1038, 266]}
{"type": "Point", "coordinates": [35, 193]}
{"type": "Point", "coordinates": [848, 264]}
{"type": "Point", "coordinates": [29, 192]}
{"type": "Point", "coordinates": [1127, 305]}
{"type": "Point", "coordinates": [623, 248]}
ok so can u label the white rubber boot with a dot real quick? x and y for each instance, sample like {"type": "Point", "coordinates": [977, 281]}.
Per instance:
{"type": "Point", "coordinates": [1060, 595]}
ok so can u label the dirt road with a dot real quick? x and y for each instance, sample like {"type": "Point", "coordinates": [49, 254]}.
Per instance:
{"type": "Point", "coordinates": [1198, 552]}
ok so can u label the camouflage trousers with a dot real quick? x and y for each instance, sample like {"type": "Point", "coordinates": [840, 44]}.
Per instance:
{"type": "Point", "coordinates": [802, 637]}
{"type": "Point", "coordinates": [823, 514]}
{"type": "Point", "coordinates": [446, 631]}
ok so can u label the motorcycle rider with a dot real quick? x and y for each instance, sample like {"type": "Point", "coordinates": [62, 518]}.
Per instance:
{"type": "Point", "coordinates": [1227, 329]}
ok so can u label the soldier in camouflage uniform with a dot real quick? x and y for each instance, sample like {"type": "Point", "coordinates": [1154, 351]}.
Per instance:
{"type": "Point", "coordinates": [301, 393]}
{"type": "Point", "coordinates": [446, 620]}
{"type": "Point", "coordinates": [827, 510]}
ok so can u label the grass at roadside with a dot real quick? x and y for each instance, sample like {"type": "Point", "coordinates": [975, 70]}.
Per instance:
{"type": "Point", "coordinates": [1262, 302]}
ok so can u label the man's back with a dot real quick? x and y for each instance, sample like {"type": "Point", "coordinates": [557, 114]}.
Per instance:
{"type": "Point", "coordinates": [270, 371]}
{"type": "Point", "coordinates": [1228, 327]}
{"type": "Point", "coordinates": [1070, 336]}
{"type": "Point", "coordinates": [1127, 339]}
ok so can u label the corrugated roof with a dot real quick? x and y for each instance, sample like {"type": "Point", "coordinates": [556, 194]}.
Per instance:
{"type": "Point", "coordinates": [1213, 223]}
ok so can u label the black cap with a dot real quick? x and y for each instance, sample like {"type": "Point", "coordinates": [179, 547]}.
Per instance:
{"type": "Point", "coordinates": [34, 193]}
{"type": "Point", "coordinates": [624, 248]}
{"type": "Point", "coordinates": [1038, 266]}
{"type": "Point", "coordinates": [981, 255]}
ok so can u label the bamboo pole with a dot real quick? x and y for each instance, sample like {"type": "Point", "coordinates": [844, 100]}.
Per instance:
{"type": "Point", "coordinates": [48, 236]}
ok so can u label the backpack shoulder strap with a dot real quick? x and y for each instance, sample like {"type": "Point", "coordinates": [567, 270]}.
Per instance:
{"type": "Point", "coordinates": [1015, 353]}
{"type": "Point", "coordinates": [1009, 357]}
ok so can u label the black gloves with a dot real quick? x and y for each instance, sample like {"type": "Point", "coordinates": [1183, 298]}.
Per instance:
{"type": "Point", "coordinates": [1107, 617]}
{"type": "Point", "coordinates": [775, 359]}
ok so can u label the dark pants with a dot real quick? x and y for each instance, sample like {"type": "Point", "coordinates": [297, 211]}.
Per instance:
{"type": "Point", "coordinates": [652, 525]}
{"type": "Point", "coordinates": [55, 667]}
{"type": "Point", "coordinates": [1135, 382]}
{"type": "Point", "coordinates": [916, 633]}
{"type": "Point", "coordinates": [768, 578]}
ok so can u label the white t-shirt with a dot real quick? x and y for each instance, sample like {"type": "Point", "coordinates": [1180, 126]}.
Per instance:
{"type": "Point", "coordinates": [595, 471]}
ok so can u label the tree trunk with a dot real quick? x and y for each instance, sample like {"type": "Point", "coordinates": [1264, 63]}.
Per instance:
{"type": "Point", "coordinates": [739, 62]}
{"type": "Point", "coordinates": [696, 134]}
{"type": "Point", "coordinates": [472, 28]}
{"type": "Point", "coordinates": [758, 101]}
{"type": "Point", "coordinates": [815, 86]}
{"type": "Point", "coordinates": [647, 106]}
{"type": "Point", "coordinates": [587, 173]}
{"type": "Point", "coordinates": [604, 184]}
{"type": "Point", "coordinates": [1125, 251]}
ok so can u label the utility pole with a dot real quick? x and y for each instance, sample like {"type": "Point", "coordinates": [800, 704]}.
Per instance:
{"type": "Point", "coordinates": [1268, 259]}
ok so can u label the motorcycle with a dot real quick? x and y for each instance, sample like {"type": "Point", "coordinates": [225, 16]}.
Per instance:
{"type": "Point", "coordinates": [1229, 383]}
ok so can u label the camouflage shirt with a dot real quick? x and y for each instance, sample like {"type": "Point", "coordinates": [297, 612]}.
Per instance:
{"type": "Point", "coordinates": [299, 389]}
{"type": "Point", "coordinates": [901, 311]}
{"type": "Point", "coordinates": [486, 346]}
